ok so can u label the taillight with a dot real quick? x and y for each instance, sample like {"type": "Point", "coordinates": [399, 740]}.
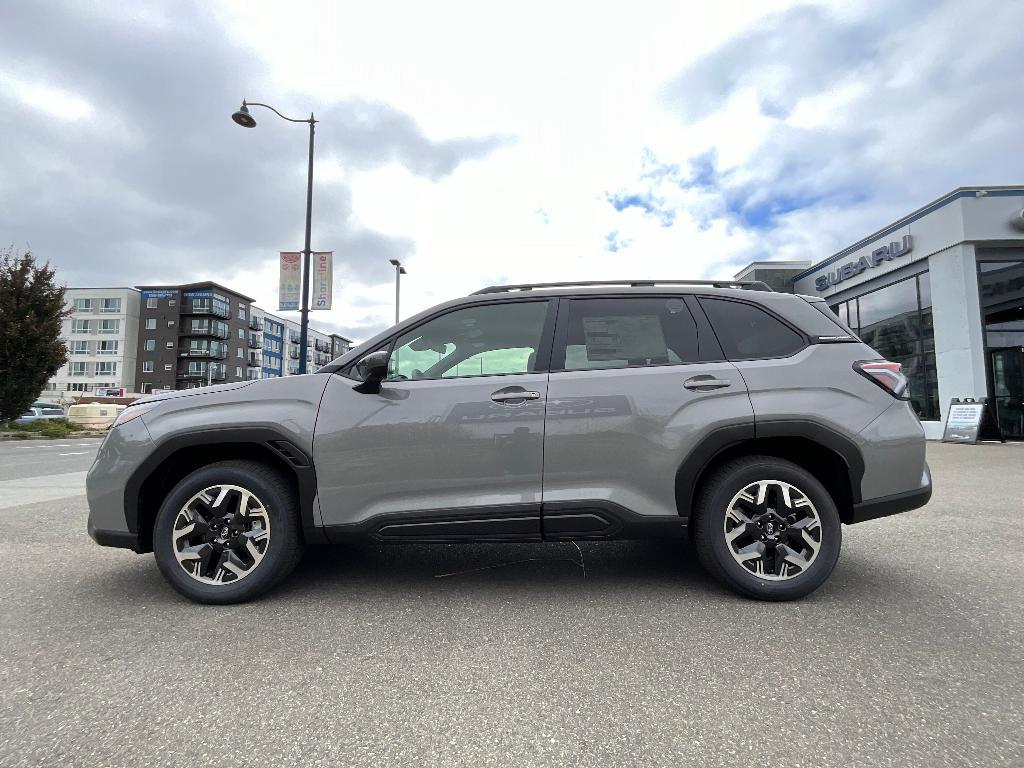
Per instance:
{"type": "Point", "coordinates": [889, 376]}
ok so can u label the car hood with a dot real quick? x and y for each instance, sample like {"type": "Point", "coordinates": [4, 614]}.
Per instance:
{"type": "Point", "coordinates": [160, 396]}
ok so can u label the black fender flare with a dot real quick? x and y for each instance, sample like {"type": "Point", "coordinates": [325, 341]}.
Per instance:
{"type": "Point", "coordinates": [723, 438]}
{"type": "Point", "coordinates": [275, 442]}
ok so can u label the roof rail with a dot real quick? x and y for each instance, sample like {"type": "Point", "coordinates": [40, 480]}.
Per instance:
{"type": "Point", "coordinates": [750, 285]}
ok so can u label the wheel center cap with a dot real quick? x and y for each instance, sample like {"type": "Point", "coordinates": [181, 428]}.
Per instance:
{"type": "Point", "coordinates": [769, 528]}
{"type": "Point", "coordinates": [225, 531]}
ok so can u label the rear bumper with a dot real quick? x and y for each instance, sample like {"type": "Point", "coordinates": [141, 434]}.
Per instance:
{"type": "Point", "coordinates": [894, 503]}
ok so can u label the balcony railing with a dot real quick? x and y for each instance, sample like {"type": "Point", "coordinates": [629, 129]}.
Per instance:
{"type": "Point", "coordinates": [214, 353]}
{"type": "Point", "coordinates": [256, 323]}
{"type": "Point", "coordinates": [218, 374]}
{"type": "Point", "coordinates": [217, 331]}
{"type": "Point", "coordinates": [206, 309]}
{"type": "Point", "coordinates": [255, 343]}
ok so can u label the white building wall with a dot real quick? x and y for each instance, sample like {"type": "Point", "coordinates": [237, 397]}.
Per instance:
{"type": "Point", "coordinates": [66, 384]}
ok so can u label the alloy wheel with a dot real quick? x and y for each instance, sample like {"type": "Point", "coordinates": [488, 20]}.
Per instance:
{"type": "Point", "coordinates": [773, 530]}
{"type": "Point", "coordinates": [221, 534]}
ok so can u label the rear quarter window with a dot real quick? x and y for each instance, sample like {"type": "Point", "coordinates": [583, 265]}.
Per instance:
{"type": "Point", "coordinates": [747, 332]}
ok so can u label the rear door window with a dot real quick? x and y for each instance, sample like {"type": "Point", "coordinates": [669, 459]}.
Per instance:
{"type": "Point", "coordinates": [621, 333]}
{"type": "Point", "coordinates": [747, 332]}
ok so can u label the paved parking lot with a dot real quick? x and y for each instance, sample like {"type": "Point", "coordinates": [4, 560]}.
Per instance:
{"type": "Point", "coordinates": [912, 655]}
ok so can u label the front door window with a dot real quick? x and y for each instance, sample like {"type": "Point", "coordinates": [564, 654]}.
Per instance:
{"type": "Point", "coordinates": [488, 340]}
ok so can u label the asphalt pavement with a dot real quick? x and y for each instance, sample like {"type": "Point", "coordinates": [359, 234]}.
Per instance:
{"type": "Point", "coordinates": [617, 654]}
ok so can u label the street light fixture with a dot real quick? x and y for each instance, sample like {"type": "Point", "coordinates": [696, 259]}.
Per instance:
{"type": "Point", "coordinates": [244, 119]}
{"type": "Point", "coordinates": [399, 271]}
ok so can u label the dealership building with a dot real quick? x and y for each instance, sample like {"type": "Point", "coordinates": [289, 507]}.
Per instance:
{"type": "Point", "coordinates": [941, 291]}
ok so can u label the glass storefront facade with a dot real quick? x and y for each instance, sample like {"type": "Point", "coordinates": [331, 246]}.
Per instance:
{"type": "Point", "coordinates": [1001, 289]}
{"type": "Point", "coordinates": [896, 320]}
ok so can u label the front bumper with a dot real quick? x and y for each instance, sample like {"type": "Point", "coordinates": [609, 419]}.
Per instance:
{"type": "Point", "coordinates": [119, 456]}
{"type": "Point", "coordinates": [122, 539]}
{"type": "Point", "coordinates": [884, 506]}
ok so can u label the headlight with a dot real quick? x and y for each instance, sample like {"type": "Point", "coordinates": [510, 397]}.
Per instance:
{"type": "Point", "coordinates": [131, 413]}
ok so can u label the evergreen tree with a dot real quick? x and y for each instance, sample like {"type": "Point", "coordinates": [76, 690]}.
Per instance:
{"type": "Point", "coordinates": [31, 350]}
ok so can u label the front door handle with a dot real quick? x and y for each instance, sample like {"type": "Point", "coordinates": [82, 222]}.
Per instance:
{"type": "Point", "coordinates": [504, 395]}
{"type": "Point", "coordinates": [705, 383]}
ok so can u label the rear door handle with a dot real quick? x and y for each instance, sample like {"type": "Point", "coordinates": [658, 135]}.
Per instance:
{"type": "Point", "coordinates": [704, 383]}
{"type": "Point", "coordinates": [503, 395]}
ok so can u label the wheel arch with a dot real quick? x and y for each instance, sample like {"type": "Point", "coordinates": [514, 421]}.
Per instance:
{"type": "Point", "coordinates": [178, 456]}
{"type": "Point", "coordinates": [831, 457]}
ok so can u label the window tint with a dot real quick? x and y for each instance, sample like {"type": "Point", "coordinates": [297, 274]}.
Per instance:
{"type": "Point", "coordinates": [476, 341]}
{"type": "Point", "coordinates": [616, 333]}
{"type": "Point", "coordinates": [747, 332]}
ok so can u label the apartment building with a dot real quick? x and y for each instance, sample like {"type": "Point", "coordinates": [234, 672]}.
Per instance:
{"type": "Point", "coordinates": [192, 335]}
{"type": "Point", "coordinates": [101, 334]}
{"type": "Point", "coordinates": [157, 337]}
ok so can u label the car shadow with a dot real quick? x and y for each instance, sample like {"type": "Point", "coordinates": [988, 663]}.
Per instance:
{"type": "Point", "coordinates": [451, 567]}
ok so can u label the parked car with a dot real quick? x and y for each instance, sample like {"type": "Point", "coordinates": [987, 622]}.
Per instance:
{"type": "Point", "coordinates": [41, 412]}
{"type": "Point", "coordinates": [753, 423]}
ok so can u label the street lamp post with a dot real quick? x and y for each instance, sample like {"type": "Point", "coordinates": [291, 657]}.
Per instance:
{"type": "Point", "coordinates": [399, 271]}
{"type": "Point", "coordinates": [244, 119]}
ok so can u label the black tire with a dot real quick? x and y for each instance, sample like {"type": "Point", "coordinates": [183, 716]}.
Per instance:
{"type": "Point", "coordinates": [714, 551]}
{"type": "Point", "coordinates": [282, 552]}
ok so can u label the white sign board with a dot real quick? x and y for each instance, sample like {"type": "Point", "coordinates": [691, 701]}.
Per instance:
{"type": "Point", "coordinates": [963, 423]}
{"type": "Point", "coordinates": [323, 279]}
{"type": "Point", "coordinates": [290, 284]}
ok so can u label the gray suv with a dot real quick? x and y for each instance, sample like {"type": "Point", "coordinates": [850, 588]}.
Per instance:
{"type": "Point", "coordinates": [752, 423]}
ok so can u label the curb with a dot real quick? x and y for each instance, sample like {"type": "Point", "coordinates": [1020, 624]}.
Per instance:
{"type": "Point", "coordinates": [31, 438]}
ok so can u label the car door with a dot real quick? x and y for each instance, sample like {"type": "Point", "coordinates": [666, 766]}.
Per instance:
{"type": "Point", "coordinates": [452, 445]}
{"type": "Point", "coordinates": [635, 391]}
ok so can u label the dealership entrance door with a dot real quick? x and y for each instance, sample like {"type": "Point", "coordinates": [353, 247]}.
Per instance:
{"type": "Point", "coordinates": [1002, 304]}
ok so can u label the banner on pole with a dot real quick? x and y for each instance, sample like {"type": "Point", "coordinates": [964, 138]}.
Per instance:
{"type": "Point", "coordinates": [290, 285]}
{"type": "Point", "coordinates": [323, 279]}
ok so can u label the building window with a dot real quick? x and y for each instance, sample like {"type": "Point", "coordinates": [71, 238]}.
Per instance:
{"type": "Point", "coordinates": [150, 345]}
{"type": "Point", "coordinates": [152, 302]}
{"type": "Point", "coordinates": [79, 369]}
{"type": "Point", "coordinates": [111, 306]}
{"type": "Point", "coordinates": [168, 366]}
{"type": "Point", "coordinates": [79, 348]}
{"type": "Point", "coordinates": [147, 366]}
{"type": "Point", "coordinates": [150, 323]}
{"type": "Point", "coordinates": [106, 369]}
{"type": "Point", "coordinates": [110, 326]}
{"type": "Point", "coordinates": [896, 320]}
{"type": "Point", "coordinates": [172, 302]}
{"type": "Point", "coordinates": [241, 333]}
{"type": "Point", "coordinates": [238, 372]}
{"type": "Point", "coordinates": [145, 388]}
{"type": "Point", "coordinates": [83, 305]}
{"type": "Point", "coordinates": [241, 312]}
{"type": "Point", "coordinates": [238, 352]}
{"type": "Point", "coordinates": [80, 326]}
{"type": "Point", "coordinates": [107, 348]}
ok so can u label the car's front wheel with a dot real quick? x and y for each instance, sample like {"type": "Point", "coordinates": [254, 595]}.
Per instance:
{"type": "Point", "coordinates": [767, 528]}
{"type": "Point", "coordinates": [228, 532]}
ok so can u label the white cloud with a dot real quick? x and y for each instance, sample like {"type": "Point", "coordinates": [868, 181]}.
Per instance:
{"type": "Point", "coordinates": [485, 143]}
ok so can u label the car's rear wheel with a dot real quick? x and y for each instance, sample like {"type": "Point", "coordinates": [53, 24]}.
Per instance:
{"type": "Point", "coordinates": [228, 532]}
{"type": "Point", "coordinates": [767, 528]}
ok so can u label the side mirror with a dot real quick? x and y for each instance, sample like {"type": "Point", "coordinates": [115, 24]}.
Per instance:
{"type": "Point", "coordinates": [372, 369]}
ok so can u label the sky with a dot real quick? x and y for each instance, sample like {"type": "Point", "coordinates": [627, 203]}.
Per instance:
{"type": "Point", "coordinates": [485, 143]}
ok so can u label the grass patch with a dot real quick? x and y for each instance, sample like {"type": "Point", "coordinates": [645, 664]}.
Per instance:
{"type": "Point", "coordinates": [48, 428]}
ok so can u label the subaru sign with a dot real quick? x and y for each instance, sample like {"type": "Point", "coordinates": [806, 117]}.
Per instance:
{"type": "Point", "coordinates": [877, 256]}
